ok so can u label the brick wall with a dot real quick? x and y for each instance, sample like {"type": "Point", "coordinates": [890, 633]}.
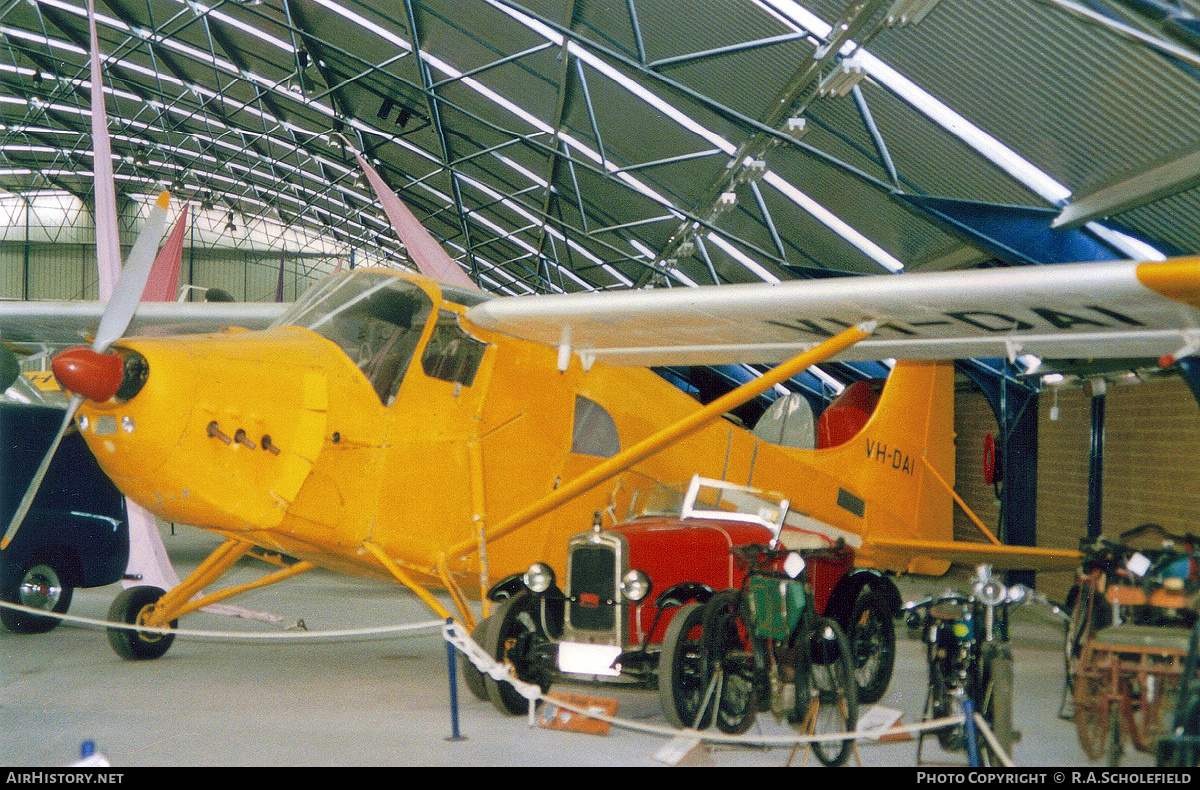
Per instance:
{"type": "Point", "coordinates": [1151, 464]}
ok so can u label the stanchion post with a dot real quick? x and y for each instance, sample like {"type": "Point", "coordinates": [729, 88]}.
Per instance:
{"type": "Point", "coordinates": [971, 732]}
{"type": "Point", "coordinates": [455, 735]}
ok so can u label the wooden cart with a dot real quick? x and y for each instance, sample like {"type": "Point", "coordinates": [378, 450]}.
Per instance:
{"type": "Point", "coordinates": [1128, 678]}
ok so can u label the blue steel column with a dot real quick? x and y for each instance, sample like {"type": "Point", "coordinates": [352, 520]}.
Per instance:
{"type": "Point", "coordinates": [1189, 371]}
{"type": "Point", "coordinates": [1015, 406]}
{"type": "Point", "coordinates": [1095, 521]}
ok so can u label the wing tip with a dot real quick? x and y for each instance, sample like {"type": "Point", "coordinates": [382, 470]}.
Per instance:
{"type": "Point", "coordinates": [1176, 278]}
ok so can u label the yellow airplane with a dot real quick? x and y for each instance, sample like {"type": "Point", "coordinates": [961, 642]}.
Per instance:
{"type": "Point", "coordinates": [393, 426]}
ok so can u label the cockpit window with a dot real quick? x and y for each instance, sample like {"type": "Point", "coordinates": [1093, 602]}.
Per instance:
{"type": "Point", "coordinates": [375, 318]}
{"type": "Point", "coordinates": [451, 354]}
{"type": "Point", "coordinates": [595, 433]}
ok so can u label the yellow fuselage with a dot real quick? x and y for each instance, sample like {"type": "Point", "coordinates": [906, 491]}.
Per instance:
{"type": "Point", "coordinates": [277, 437]}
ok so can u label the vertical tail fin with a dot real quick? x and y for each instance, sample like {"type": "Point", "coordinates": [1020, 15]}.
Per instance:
{"type": "Point", "coordinates": [899, 466]}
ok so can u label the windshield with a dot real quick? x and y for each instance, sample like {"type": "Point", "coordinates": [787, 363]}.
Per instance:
{"type": "Point", "coordinates": [716, 499]}
{"type": "Point", "coordinates": [375, 318]}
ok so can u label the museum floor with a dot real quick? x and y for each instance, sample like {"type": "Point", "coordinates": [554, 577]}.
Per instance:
{"type": "Point", "coordinates": [386, 702]}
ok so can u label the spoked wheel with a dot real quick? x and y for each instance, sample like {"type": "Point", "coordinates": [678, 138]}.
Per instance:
{"type": "Point", "coordinates": [134, 606]}
{"type": "Point", "coordinates": [508, 637]}
{"type": "Point", "coordinates": [727, 640]}
{"type": "Point", "coordinates": [1114, 742]}
{"type": "Point", "coordinates": [872, 638]}
{"type": "Point", "coordinates": [997, 703]}
{"type": "Point", "coordinates": [41, 586]}
{"type": "Point", "coordinates": [1153, 707]}
{"type": "Point", "coordinates": [834, 705]}
{"type": "Point", "coordinates": [683, 674]}
{"type": "Point", "coordinates": [1092, 704]}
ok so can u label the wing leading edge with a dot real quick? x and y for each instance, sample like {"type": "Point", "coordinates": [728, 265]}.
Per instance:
{"type": "Point", "coordinates": [69, 323]}
{"type": "Point", "coordinates": [1109, 309]}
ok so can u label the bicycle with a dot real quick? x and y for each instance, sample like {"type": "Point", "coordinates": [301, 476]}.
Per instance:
{"type": "Point", "coordinates": [763, 647]}
{"type": "Point", "coordinates": [970, 664]}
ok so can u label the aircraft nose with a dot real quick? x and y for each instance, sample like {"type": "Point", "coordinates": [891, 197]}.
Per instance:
{"type": "Point", "coordinates": [96, 376]}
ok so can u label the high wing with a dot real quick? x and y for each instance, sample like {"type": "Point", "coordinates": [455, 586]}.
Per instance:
{"type": "Point", "coordinates": [1089, 310]}
{"type": "Point", "coordinates": [70, 323]}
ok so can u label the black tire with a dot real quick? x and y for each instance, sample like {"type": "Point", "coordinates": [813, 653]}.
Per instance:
{"type": "Point", "coordinates": [43, 585]}
{"type": "Point", "coordinates": [833, 690]}
{"type": "Point", "coordinates": [942, 687]}
{"type": "Point", "coordinates": [997, 707]}
{"type": "Point", "coordinates": [872, 635]}
{"type": "Point", "coordinates": [507, 637]}
{"type": "Point", "coordinates": [132, 606]}
{"type": "Point", "coordinates": [683, 670]}
{"type": "Point", "coordinates": [471, 674]}
{"type": "Point", "coordinates": [728, 642]}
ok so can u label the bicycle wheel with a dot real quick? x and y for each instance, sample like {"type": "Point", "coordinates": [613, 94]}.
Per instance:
{"type": "Point", "coordinates": [1092, 703]}
{"type": "Point", "coordinates": [833, 692]}
{"type": "Point", "coordinates": [728, 644]}
{"type": "Point", "coordinates": [997, 705]}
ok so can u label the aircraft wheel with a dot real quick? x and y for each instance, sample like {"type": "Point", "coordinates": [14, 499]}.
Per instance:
{"type": "Point", "coordinates": [41, 586]}
{"type": "Point", "coordinates": [872, 635]}
{"type": "Point", "coordinates": [470, 673]}
{"type": "Point", "coordinates": [508, 637]}
{"type": "Point", "coordinates": [133, 606]}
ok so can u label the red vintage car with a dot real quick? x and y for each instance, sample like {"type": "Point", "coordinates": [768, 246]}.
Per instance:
{"type": "Point", "coordinates": [603, 626]}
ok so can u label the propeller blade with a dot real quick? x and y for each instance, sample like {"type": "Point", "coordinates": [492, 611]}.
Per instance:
{"type": "Point", "coordinates": [108, 245]}
{"type": "Point", "coordinates": [36, 483]}
{"type": "Point", "coordinates": [124, 295]}
{"type": "Point", "coordinates": [134, 274]}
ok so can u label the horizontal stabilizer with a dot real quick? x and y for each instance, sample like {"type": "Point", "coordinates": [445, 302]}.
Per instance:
{"type": "Point", "coordinates": [966, 553]}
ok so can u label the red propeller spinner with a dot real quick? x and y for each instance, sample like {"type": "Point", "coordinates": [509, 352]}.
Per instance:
{"type": "Point", "coordinates": [89, 373]}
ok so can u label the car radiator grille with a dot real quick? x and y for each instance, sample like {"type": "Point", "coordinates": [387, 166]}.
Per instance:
{"type": "Point", "coordinates": [593, 588]}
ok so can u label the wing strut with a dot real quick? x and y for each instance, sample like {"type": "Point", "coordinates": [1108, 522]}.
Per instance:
{"type": "Point", "coordinates": [672, 433]}
{"type": "Point", "coordinates": [987, 533]}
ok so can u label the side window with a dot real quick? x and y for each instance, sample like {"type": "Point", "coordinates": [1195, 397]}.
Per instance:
{"type": "Point", "coordinates": [452, 355]}
{"type": "Point", "coordinates": [595, 432]}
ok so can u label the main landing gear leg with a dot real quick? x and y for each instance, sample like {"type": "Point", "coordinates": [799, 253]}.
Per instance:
{"type": "Point", "coordinates": [151, 607]}
{"type": "Point", "coordinates": [402, 576]}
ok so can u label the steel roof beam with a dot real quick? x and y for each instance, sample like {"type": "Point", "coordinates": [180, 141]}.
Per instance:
{"type": "Point", "coordinates": [1150, 183]}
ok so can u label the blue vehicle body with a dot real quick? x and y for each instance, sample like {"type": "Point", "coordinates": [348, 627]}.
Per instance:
{"type": "Point", "coordinates": [76, 533]}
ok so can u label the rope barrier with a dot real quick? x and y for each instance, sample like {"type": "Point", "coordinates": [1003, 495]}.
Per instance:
{"type": "Point", "coordinates": [346, 635]}
{"type": "Point", "coordinates": [456, 635]}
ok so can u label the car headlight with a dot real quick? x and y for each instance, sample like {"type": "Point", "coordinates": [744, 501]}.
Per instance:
{"type": "Point", "coordinates": [539, 577]}
{"type": "Point", "coordinates": [635, 585]}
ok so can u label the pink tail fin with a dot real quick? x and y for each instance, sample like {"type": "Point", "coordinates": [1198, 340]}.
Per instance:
{"type": "Point", "coordinates": [163, 284]}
